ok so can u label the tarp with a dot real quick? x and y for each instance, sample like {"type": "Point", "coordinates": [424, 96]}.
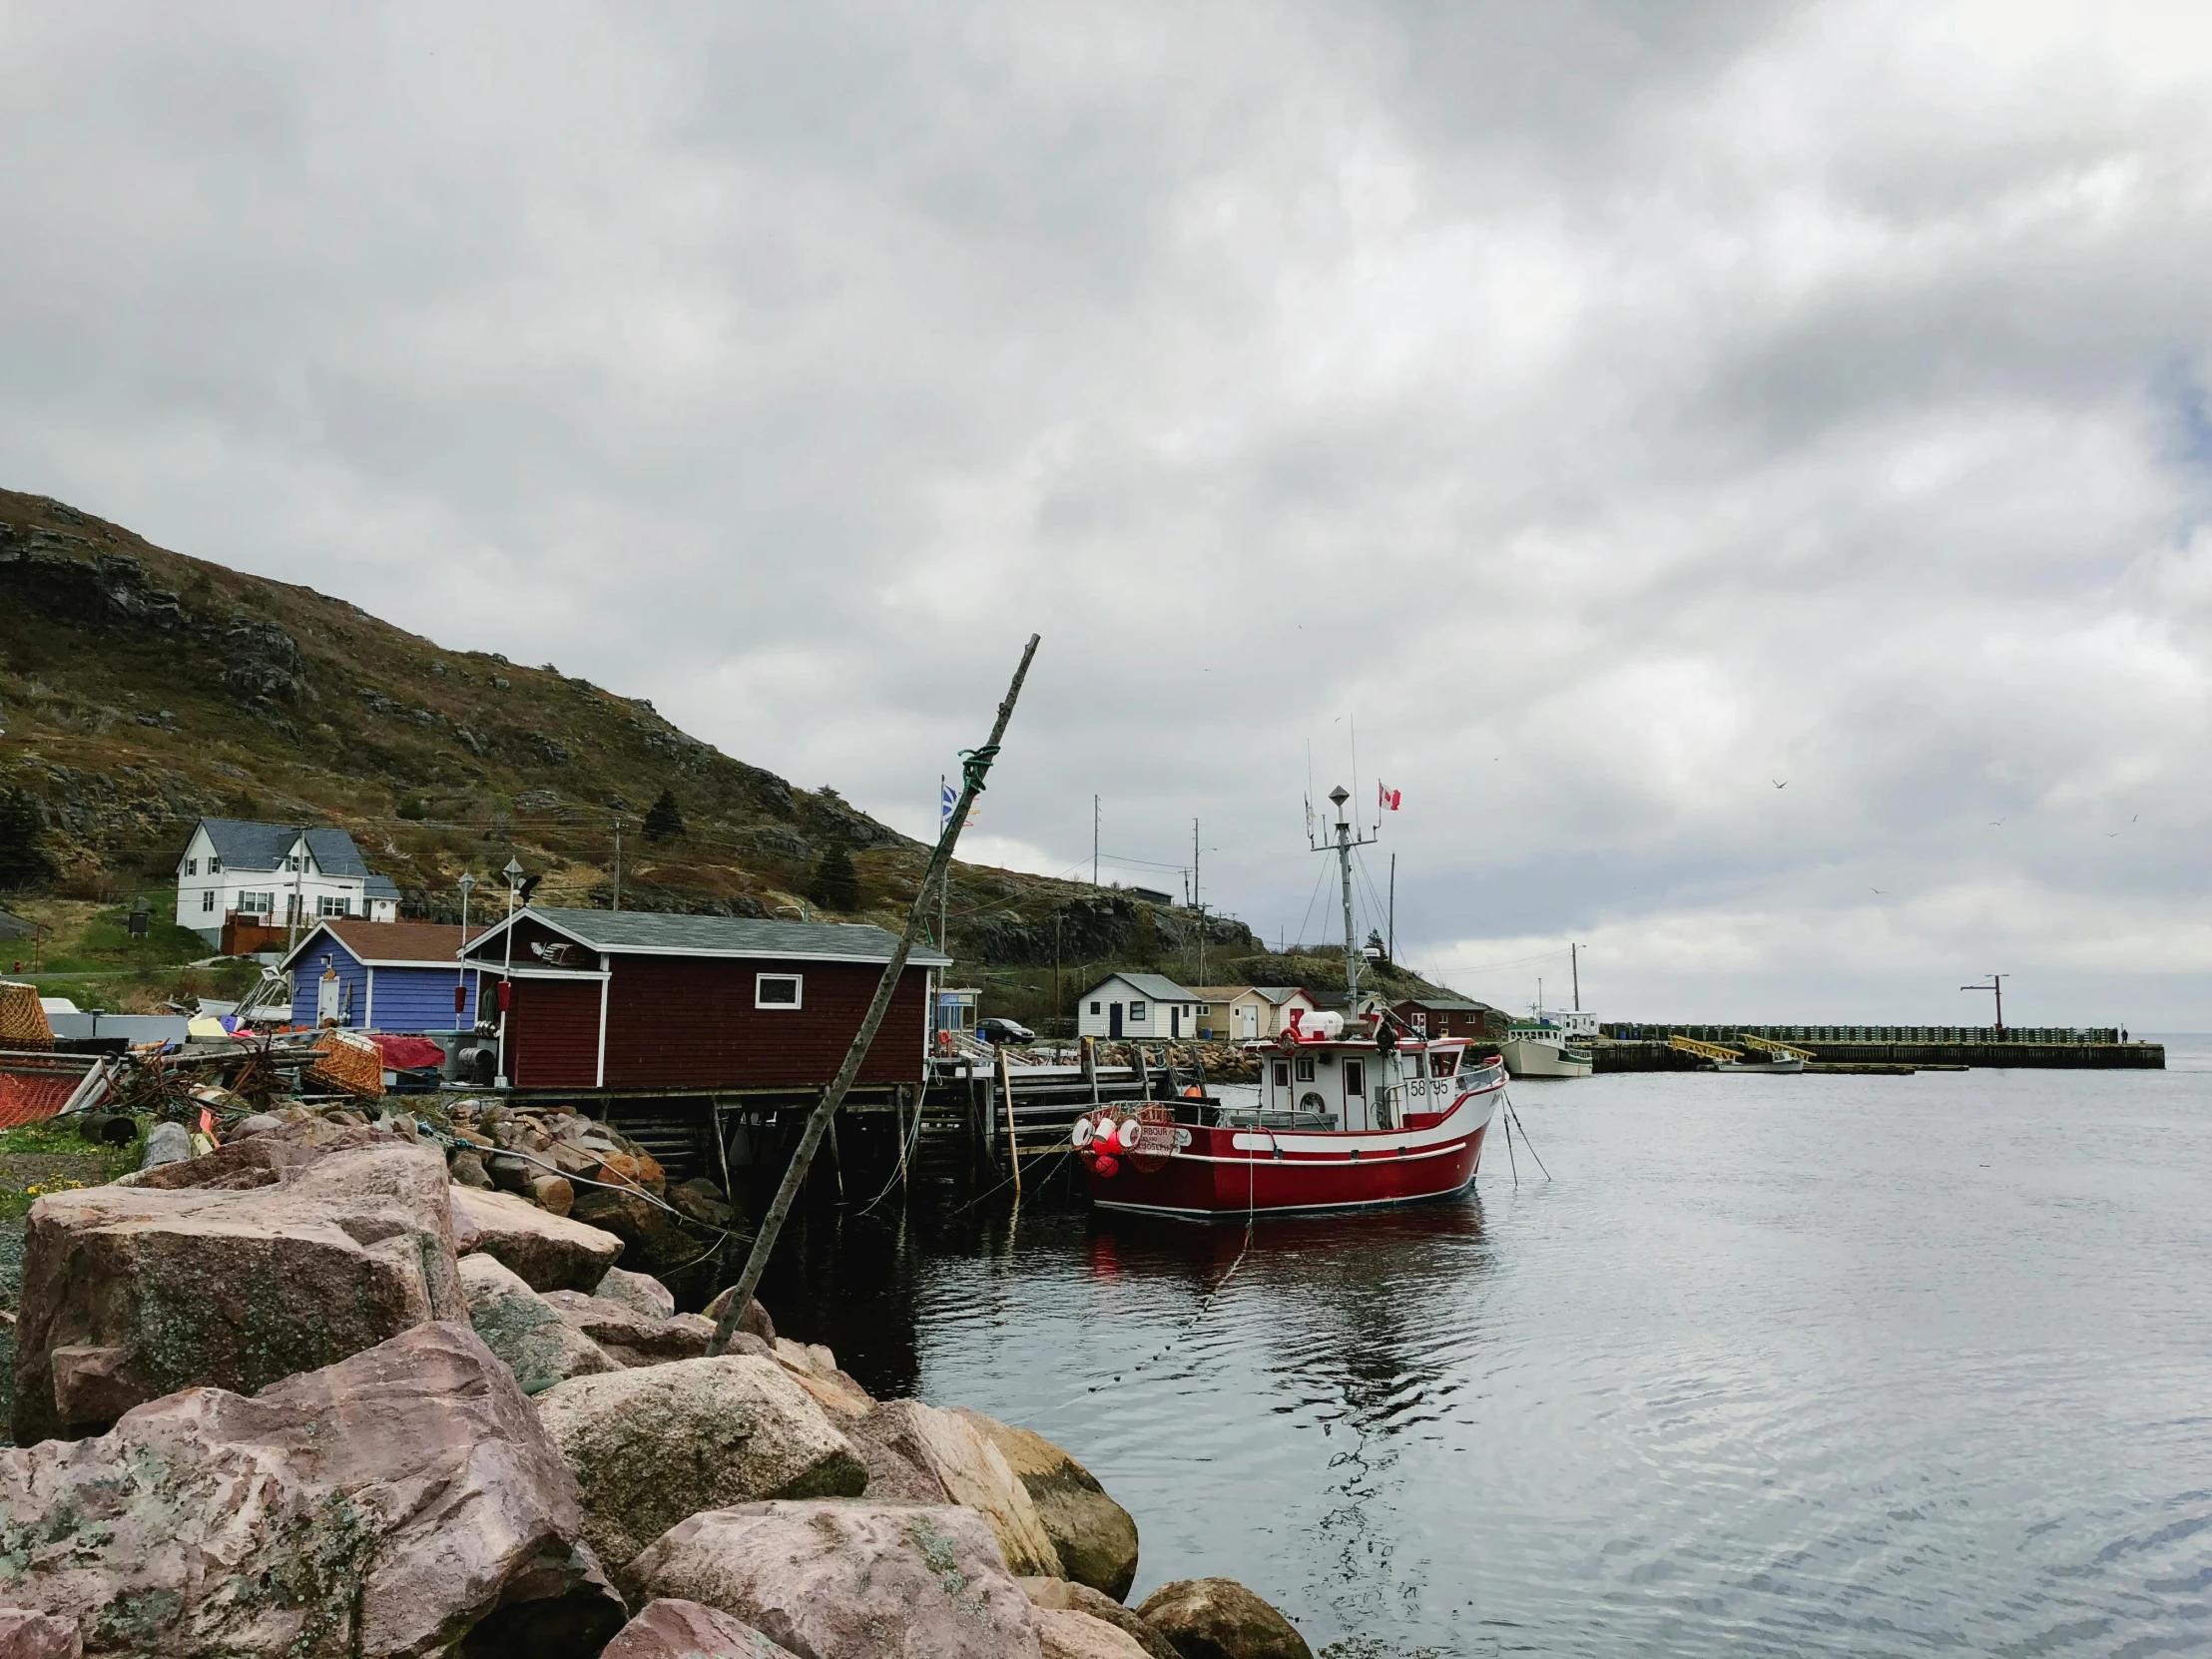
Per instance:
{"type": "Point", "coordinates": [407, 1053]}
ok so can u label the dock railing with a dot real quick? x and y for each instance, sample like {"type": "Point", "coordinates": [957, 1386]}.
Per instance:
{"type": "Point", "coordinates": [2071, 1035]}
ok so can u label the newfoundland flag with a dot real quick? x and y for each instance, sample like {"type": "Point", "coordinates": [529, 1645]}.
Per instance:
{"type": "Point", "coordinates": [1385, 798]}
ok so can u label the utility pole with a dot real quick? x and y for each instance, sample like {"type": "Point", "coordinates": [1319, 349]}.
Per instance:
{"type": "Point", "coordinates": [1574, 966]}
{"type": "Point", "coordinates": [1056, 1004]}
{"type": "Point", "coordinates": [514, 874]}
{"type": "Point", "coordinates": [618, 861]}
{"type": "Point", "coordinates": [1094, 840]}
{"type": "Point", "coordinates": [299, 896]}
{"type": "Point", "coordinates": [1197, 908]}
{"type": "Point", "coordinates": [1996, 985]}
{"type": "Point", "coordinates": [1390, 940]}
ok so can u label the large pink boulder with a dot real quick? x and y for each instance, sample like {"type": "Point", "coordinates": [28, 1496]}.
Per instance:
{"type": "Point", "coordinates": [269, 1257]}
{"type": "Point", "coordinates": [25, 1635]}
{"type": "Point", "coordinates": [670, 1629]}
{"type": "Point", "coordinates": [850, 1580]}
{"type": "Point", "coordinates": [917, 1452]}
{"type": "Point", "coordinates": [633, 1337]}
{"type": "Point", "coordinates": [404, 1501]}
{"type": "Point", "coordinates": [548, 1251]}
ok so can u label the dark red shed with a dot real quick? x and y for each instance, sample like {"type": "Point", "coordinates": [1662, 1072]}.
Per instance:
{"type": "Point", "coordinates": [631, 1000]}
{"type": "Point", "coordinates": [1433, 1016]}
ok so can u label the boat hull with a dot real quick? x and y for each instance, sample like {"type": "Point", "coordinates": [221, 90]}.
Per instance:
{"type": "Point", "coordinates": [1223, 1174]}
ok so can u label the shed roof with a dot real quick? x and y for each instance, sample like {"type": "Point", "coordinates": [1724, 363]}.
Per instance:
{"type": "Point", "coordinates": [647, 933]}
{"type": "Point", "coordinates": [1157, 986]}
{"type": "Point", "coordinates": [243, 844]}
{"type": "Point", "coordinates": [387, 943]}
{"type": "Point", "coordinates": [1444, 1005]}
{"type": "Point", "coordinates": [381, 887]}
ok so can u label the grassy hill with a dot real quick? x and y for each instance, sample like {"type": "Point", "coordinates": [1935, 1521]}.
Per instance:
{"type": "Point", "coordinates": [141, 689]}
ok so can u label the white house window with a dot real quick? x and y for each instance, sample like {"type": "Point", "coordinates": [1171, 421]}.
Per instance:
{"type": "Point", "coordinates": [207, 900]}
{"type": "Point", "coordinates": [332, 907]}
{"type": "Point", "coordinates": [192, 867]}
{"type": "Point", "coordinates": [1094, 1008]}
{"type": "Point", "coordinates": [215, 866]}
{"type": "Point", "coordinates": [776, 990]}
{"type": "Point", "coordinates": [1136, 1010]}
{"type": "Point", "coordinates": [256, 904]}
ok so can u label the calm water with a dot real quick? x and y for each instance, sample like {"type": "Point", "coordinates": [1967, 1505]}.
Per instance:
{"type": "Point", "coordinates": [1802, 1365]}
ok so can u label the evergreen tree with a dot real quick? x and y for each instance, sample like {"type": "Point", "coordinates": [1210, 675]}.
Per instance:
{"type": "Point", "coordinates": [24, 860]}
{"type": "Point", "coordinates": [665, 821]}
{"type": "Point", "coordinates": [836, 885]}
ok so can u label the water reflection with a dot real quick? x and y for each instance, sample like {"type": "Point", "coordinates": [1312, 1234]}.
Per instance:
{"type": "Point", "coordinates": [1856, 1367]}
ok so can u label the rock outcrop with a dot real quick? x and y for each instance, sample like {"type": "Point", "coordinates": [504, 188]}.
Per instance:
{"type": "Point", "coordinates": [649, 1447]}
{"type": "Point", "coordinates": [925, 1455]}
{"type": "Point", "coordinates": [406, 1500]}
{"type": "Point", "coordinates": [525, 1330]}
{"type": "Point", "coordinates": [1095, 1538]}
{"type": "Point", "coordinates": [548, 1251]}
{"type": "Point", "coordinates": [671, 1629]}
{"type": "Point", "coordinates": [1062, 1595]}
{"type": "Point", "coordinates": [850, 1580]}
{"type": "Point", "coordinates": [1218, 1618]}
{"type": "Point", "coordinates": [234, 1270]}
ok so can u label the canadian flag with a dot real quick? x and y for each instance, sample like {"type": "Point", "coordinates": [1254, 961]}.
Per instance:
{"type": "Point", "coordinates": [1385, 798]}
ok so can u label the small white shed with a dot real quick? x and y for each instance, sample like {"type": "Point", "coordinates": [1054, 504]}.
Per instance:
{"type": "Point", "coordinates": [1146, 1005]}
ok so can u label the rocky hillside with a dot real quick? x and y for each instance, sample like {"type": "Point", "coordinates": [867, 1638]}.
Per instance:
{"type": "Point", "coordinates": [141, 689]}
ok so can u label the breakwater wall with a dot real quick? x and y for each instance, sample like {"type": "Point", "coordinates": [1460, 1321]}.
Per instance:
{"type": "Point", "coordinates": [1649, 1055]}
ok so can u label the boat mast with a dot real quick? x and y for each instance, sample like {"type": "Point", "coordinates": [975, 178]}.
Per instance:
{"type": "Point", "coordinates": [1345, 844]}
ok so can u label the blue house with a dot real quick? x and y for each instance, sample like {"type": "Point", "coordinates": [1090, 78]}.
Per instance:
{"type": "Point", "coordinates": [381, 977]}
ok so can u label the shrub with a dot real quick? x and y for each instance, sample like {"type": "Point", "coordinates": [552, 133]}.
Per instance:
{"type": "Point", "coordinates": [665, 821]}
{"type": "Point", "coordinates": [836, 885]}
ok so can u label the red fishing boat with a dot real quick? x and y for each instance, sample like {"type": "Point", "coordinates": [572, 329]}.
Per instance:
{"type": "Point", "coordinates": [1348, 1117]}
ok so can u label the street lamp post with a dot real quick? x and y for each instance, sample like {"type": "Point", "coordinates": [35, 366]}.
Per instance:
{"type": "Point", "coordinates": [461, 974]}
{"type": "Point", "coordinates": [514, 874]}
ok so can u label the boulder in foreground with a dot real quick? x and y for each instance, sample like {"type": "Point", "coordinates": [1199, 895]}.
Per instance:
{"type": "Point", "coordinates": [649, 1447]}
{"type": "Point", "coordinates": [26, 1635]}
{"type": "Point", "coordinates": [1065, 1635]}
{"type": "Point", "coordinates": [1218, 1618]}
{"type": "Point", "coordinates": [406, 1500]}
{"type": "Point", "coordinates": [630, 1337]}
{"type": "Point", "coordinates": [548, 1251]}
{"type": "Point", "coordinates": [671, 1629]}
{"type": "Point", "coordinates": [917, 1452]}
{"type": "Point", "coordinates": [274, 1256]}
{"type": "Point", "coordinates": [1061, 1595]}
{"type": "Point", "coordinates": [850, 1580]}
{"type": "Point", "coordinates": [1096, 1538]}
{"type": "Point", "coordinates": [525, 1330]}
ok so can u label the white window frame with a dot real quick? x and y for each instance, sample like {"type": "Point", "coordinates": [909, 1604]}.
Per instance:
{"type": "Point", "coordinates": [343, 912]}
{"type": "Point", "coordinates": [1137, 1013]}
{"type": "Point", "coordinates": [206, 901]}
{"type": "Point", "coordinates": [1355, 1078]}
{"type": "Point", "coordinates": [268, 906]}
{"type": "Point", "coordinates": [797, 983]}
{"type": "Point", "coordinates": [215, 865]}
{"type": "Point", "coordinates": [1305, 1069]}
{"type": "Point", "coordinates": [192, 867]}
{"type": "Point", "coordinates": [1094, 1008]}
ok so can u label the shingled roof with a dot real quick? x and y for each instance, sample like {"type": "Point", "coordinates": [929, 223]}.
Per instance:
{"type": "Point", "coordinates": [242, 844]}
{"type": "Point", "coordinates": [648, 932]}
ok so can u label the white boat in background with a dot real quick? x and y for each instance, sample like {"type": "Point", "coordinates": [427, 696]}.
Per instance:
{"type": "Point", "coordinates": [1540, 1047]}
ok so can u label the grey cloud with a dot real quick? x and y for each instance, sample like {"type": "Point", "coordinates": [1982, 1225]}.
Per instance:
{"type": "Point", "coordinates": [1614, 406]}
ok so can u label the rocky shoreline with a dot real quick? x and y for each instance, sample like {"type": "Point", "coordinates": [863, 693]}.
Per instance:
{"type": "Point", "coordinates": [309, 1394]}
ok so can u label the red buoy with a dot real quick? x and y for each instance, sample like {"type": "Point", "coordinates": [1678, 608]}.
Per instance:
{"type": "Point", "coordinates": [1108, 1166]}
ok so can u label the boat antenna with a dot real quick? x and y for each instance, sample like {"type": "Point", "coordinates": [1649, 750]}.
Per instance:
{"type": "Point", "coordinates": [1345, 841]}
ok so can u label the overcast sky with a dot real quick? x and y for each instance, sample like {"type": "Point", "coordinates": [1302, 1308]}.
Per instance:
{"type": "Point", "coordinates": [1619, 410]}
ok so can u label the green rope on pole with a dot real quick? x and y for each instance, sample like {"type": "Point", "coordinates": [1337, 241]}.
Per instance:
{"type": "Point", "coordinates": [975, 763]}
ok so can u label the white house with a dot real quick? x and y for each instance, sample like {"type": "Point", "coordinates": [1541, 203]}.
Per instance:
{"type": "Point", "coordinates": [1138, 1005]}
{"type": "Point", "coordinates": [277, 873]}
{"type": "Point", "coordinates": [1248, 1013]}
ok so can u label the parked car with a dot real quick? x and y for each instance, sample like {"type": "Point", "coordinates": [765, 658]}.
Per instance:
{"type": "Point", "coordinates": [1011, 1032]}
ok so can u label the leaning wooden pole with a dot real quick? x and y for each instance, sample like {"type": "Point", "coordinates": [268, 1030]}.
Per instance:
{"type": "Point", "coordinates": [978, 763]}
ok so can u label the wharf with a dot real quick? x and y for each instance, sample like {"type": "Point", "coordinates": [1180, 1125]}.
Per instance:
{"type": "Point", "coordinates": [1648, 1053]}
